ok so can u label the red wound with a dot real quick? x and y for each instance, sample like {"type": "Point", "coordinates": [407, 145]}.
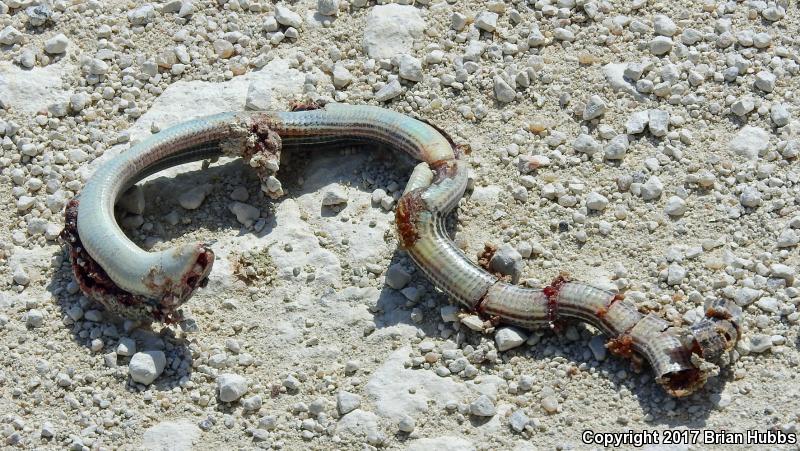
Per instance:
{"type": "Point", "coordinates": [406, 213]}
{"type": "Point", "coordinates": [551, 292]}
{"type": "Point", "coordinates": [621, 346]}
{"type": "Point", "coordinates": [304, 106]}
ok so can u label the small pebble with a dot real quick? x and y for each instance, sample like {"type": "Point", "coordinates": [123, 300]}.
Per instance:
{"type": "Point", "coordinates": [193, 198]}
{"type": "Point", "coordinates": [675, 206]}
{"type": "Point", "coordinates": [57, 44]}
{"type": "Point", "coordinates": [231, 387]}
{"type": "Point", "coordinates": [146, 366]}
{"type": "Point", "coordinates": [596, 201]}
{"type": "Point", "coordinates": [34, 318]}
{"type": "Point", "coordinates": [397, 277]}
{"type": "Point", "coordinates": [406, 424]}
{"type": "Point", "coordinates": [595, 108]}
{"type": "Point", "coordinates": [509, 338]}
{"type": "Point", "coordinates": [482, 407]}
{"type": "Point", "coordinates": [347, 402]}
{"type": "Point", "coordinates": [334, 195]}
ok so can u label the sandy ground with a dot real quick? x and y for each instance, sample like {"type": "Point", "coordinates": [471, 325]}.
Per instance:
{"type": "Point", "coordinates": [649, 147]}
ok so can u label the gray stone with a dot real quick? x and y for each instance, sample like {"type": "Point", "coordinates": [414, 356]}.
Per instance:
{"type": "Point", "coordinates": [270, 25]}
{"type": "Point", "coordinates": [564, 34]}
{"type": "Point", "coordinates": [341, 76]}
{"type": "Point", "coordinates": [660, 45]}
{"type": "Point", "coordinates": [614, 74]}
{"type": "Point", "coordinates": [663, 25]}
{"type": "Point", "coordinates": [391, 30]}
{"type": "Point", "coordinates": [146, 366]}
{"type": "Point", "coordinates": [745, 296]}
{"type": "Point", "coordinates": [57, 44]}
{"type": "Point", "coordinates": [769, 305]}
{"type": "Point", "coordinates": [358, 424]}
{"type": "Point", "coordinates": [743, 106]}
{"type": "Point", "coordinates": [132, 200]}
{"type": "Point", "coordinates": [760, 343]}
{"type": "Point", "coordinates": [486, 20]}
{"type": "Point", "coordinates": [97, 66]}
{"type": "Point", "coordinates": [10, 36]}
{"type": "Point", "coordinates": [788, 238]}
{"type": "Point", "coordinates": [472, 322]}
{"type": "Point", "coordinates": [179, 435]}
{"type": "Point", "coordinates": [595, 107]}
{"type": "Point", "coordinates": [58, 109]}
{"type": "Point", "coordinates": [449, 313]}
{"type": "Point", "coordinates": [231, 387]}
{"type": "Point", "coordinates": [389, 91]}
{"type": "Point", "coordinates": [750, 197]}
{"type": "Point", "coordinates": [142, 15]}
{"type": "Point", "coordinates": [48, 430]}
{"type": "Point", "coordinates": [652, 188]}
{"type": "Point", "coordinates": [79, 101]}
{"type": "Point", "coordinates": [328, 7]}
{"type": "Point", "coordinates": [596, 201]}
{"type": "Point", "coordinates": [347, 402]}
{"type": "Point", "coordinates": [187, 9]}
{"type": "Point", "coordinates": [507, 261]}
{"type": "Point", "coordinates": [782, 271]}
{"type": "Point", "coordinates": [509, 338]}
{"type": "Point", "coordinates": [598, 347]}
{"type": "Point", "coordinates": [259, 96]}
{"type": "Point", "coordinates": [792, 149]}
{"type": "Point", "coordinates": [617, 148]}
{"type": "Point", "coordinates": [536, 38]}
{"type": "Point", "coordinates": [658, 121]}
{"type": "Point", "coordinates": [334, 195]}
{"type": "Point", "coordinates": [690, 36]}
{"type": "Point", "coordinates": [126, 346]}
{"type": "Point", "coordinates": [246, 214]}
{"type": "Point", "coordinates": [773, 13]}
{"type": "Point", "coordinates": [193, 198]}
{"type": "Point", "coordinates": [675, 206]}
{"type": "Point", "coordinates": [32, 90]}
{"type": "Point", "coordinates": [482, 407]}
{"type": "Point", "coordinates": [749, 142]}
{"type": "Point", "coordinates": [410, 68]}
{"type": "Point", "coordinates": [171, 6]}
{"type": "Point", "coordinates": [287, 17]}
{"type": "Point", "coordinates": [550, 403]}
{"type": "Point", "coordinates": [458, 21]}
{"type": "Point", "coordinates": [586, 144]}
{"type": "Point", "coordinates": [397, 391]}
{"type": "Point", "coordinates": [503, 92]}
{"type": "Point", "coordinates": [765, 81]}
{"type": "Point", "coordinates": [252, 403]}
{"type": "Point", "coordinates": [637, 122]}
{"type": "Point", "coordinates": [27, 58]}
{"type": "Point", "coordinates": [675, 274]}
{"type": "Point", "coordinates": [397, 277]}
{"type": "Point", "coordinates": [779, 114]}
{"type": "Point", "coordinates": [223, 49]}
{"type": "Point", "coordinates": [407, 425]}
{"type": "Point", "coordinates": [34, 318]}
{"type": "Point", "coordinates": [239, 194]}
{"type": "Point", "coordinates": [518, 420]}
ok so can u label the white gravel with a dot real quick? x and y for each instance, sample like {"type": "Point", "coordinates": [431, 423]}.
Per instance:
{"type": "Point", "coordinates": [647, 147]}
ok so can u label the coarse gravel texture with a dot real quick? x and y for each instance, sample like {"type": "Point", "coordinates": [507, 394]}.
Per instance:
{"type": "Point", "coordinates": [648, 147]}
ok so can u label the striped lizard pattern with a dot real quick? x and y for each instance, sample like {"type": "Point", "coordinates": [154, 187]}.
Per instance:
{"type": "Point", "coordinates": [139, 284]}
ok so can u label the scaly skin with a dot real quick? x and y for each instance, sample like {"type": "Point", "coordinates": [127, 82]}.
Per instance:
{"type": "Point", "coordinates": [152, 285]}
